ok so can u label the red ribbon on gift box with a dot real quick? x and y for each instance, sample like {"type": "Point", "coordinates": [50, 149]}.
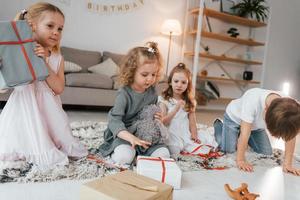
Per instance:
{"type": "Point", "coordinates": [163, 176]}
{"type": "Point", "coordinates": [197, 148]}
{"type": "Point", "coordinates": [21, 42]}
{"type": "Point", "coordinates": [211, 154]}
{"type": "Point", "coordinates": [206, 157]}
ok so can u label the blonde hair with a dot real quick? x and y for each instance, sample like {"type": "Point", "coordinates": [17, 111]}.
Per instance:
{"type": "Point", "coordinates": [136, 57]}
{"type": "Point", "coordinates": [188, 96]}
{"type": "Point", "coordinates": [35, 11]}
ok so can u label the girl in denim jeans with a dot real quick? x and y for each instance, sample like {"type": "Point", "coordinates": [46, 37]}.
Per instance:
{"type": "Point", "coordinates": [246, 120]}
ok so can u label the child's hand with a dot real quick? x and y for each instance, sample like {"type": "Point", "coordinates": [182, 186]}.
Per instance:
{"type": "Point", "coordinates": [30, 24]}
{"type": "Point", "coordinates": [158, 116]}
{"type": "Point", "coordinates": [196, 140]}
{"type": "Point", "coordinates": [287, 168]}
{"type": "Point", "coordinates": [136, 141]}
{"type": "Point", "coordinates": [180, 104]}
{"type": "Point", "coordinates": [40, 51]}
{"type": "Point", "coordinates": [244, 166]}
{"type": "Point", "coordinates": [194, 137]}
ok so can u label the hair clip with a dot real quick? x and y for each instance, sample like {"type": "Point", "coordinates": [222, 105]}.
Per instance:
{"type": "Point", "coordinates": [181, 65]}
{"type": "Point", "coordinates": [23, 13]}
{"type": "Point", "coordinates": [151, 50]}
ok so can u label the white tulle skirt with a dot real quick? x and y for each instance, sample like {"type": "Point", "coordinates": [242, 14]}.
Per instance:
{"type": "Point", "coordinates": [35, 128]}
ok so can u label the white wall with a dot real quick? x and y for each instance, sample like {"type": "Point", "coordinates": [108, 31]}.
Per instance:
{"type": "Point", "coordinates": [116, 32]}
{"type": "Point", "coordinates": [282, 61]}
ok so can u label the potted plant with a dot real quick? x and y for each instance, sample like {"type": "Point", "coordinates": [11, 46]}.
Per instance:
{"type": "Point", "coordinates": [252, 8]}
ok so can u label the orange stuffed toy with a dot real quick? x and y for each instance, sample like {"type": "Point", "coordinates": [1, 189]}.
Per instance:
{"type": "Point", "coordinates": [240, 193]}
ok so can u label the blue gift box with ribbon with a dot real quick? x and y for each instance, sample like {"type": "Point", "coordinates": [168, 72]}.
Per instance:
{"type": "Point", "coordinates": [18, 63]}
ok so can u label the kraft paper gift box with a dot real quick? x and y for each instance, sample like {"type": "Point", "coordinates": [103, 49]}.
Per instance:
{"type": "Point", "coordinates": [18, 63]}
{"type": "Point", "coordinates": [126, 185]}
{"type": "Point", "coordinates": [162, 169]}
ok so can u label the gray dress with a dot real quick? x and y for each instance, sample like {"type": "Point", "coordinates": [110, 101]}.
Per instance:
{"type": "Point", "coordinates": [127, 105]}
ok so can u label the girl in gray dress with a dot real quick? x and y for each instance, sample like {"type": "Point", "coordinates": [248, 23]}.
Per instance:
{"type": "Point", "coordinates": [140, 71]}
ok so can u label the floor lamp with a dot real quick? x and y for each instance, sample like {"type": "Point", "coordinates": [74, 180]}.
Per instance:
{"type": "Point", "coordinates": [170, 27]}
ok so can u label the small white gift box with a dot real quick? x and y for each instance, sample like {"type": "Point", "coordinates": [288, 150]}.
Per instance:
{"type": "Point", "coordinates": [161, 169]}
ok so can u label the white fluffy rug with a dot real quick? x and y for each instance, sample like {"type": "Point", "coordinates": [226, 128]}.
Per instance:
{"type": "Point", "coordinates": [91, 134]}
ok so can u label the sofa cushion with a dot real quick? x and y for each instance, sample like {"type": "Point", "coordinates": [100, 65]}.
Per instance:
{"type": "Point", "coordinates": [71, 67]}
{"type": "Point", "coordinates": [81, 57]}
{"type": "Point", "coordinates": [116, 85]}
{"type": "Point", "coordinates": [89, 80]}
{"type": "Point", "coordinates": [117, 58]}
{"type": "Point", "coordinates": [107, 67]}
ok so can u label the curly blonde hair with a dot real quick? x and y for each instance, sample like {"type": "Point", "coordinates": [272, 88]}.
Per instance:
{"type": "Point", "coordinates": [35, 11]}
{"type": "Point", "coordinates": [139, 56]}
{"type": "Point", "coordinates": [188, 96]}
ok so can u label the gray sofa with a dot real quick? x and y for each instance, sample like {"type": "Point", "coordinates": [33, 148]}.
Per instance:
{"type": "Point", "coordinates": [86, 88]}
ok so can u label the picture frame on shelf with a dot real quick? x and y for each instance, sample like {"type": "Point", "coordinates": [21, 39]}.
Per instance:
{"type": "Point", "coordinates": [226, 5]}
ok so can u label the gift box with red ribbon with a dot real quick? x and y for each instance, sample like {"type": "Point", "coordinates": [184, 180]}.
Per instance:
{"type": "Point", "coordinates": [164, 170]}
{"type": "Point", "coordinates": [18, 63]}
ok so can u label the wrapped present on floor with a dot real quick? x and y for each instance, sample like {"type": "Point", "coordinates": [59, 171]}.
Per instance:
{"type": "Point", "coordinates": [125, 185]}
{"type": "Point", "coordinates": [162, 169]}
{"type": "Point", "coordinates": [18, 63]}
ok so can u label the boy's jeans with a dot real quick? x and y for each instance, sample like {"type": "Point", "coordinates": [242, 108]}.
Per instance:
{"type": "Point", "coordinates": [227, 134]}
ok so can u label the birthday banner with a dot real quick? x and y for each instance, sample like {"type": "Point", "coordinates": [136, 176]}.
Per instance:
{"type": "Point", "coordinates": [103, 7]}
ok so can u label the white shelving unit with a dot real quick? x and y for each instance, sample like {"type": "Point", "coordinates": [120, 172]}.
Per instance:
{"type": "Point", "coordinates": [196, 32]}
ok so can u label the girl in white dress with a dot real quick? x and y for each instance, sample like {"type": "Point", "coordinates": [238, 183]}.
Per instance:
{"type": "Point", "coordinates": [178, 109]}
{"type": "Point", "coordinates": [33, 125]}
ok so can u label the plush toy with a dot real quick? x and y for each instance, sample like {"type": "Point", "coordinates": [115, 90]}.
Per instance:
{"type": "Point", "coordinates": [148, 128]}
{"type": "Point", "coordinates": [240, 193]}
